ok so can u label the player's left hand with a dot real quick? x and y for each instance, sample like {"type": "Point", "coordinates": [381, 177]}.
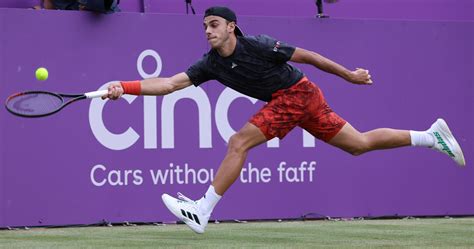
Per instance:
{"type": "Point", "coordinates": [361, 77]}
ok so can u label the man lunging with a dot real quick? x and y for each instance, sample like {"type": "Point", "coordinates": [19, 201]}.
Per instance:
{"type": "Point", "coordinates": [257, 67]}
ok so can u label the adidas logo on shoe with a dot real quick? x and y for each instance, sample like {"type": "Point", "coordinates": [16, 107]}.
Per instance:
{"type": "Point", "coordinates": [187, 211]}
{"type": "Point", "coordinates": [445, 141]}
{"type": "Point", "coordinates": [191, 216]}
{"type": "Point", "coordinates": [443, 144]}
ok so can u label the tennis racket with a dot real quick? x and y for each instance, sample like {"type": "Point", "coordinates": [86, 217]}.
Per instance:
{"type": "Point", "coordinates": [35, 104]}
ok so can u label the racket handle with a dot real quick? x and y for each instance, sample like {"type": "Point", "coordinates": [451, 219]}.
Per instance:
{"type": "Point", "coordinates": [96, 94]}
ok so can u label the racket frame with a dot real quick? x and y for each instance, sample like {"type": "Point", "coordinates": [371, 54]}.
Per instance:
{"type": "Point", "coordinates": [61, 96]}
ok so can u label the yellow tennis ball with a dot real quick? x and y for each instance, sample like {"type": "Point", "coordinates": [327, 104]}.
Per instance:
{"type": "Point", "coordinates": [41, 74]}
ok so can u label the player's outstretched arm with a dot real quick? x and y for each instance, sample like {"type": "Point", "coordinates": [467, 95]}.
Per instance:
{"type": "Point", "coordinates": [163, 86]}
{"type": "Point", "coordinates": [359, 76]}
{"type": "Point", "coordinates": [153, 86]}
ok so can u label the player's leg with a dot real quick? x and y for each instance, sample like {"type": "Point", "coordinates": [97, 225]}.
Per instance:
{"type": "Point", "coordinates": [326, 125]}
{"type": "Point", "coordinates": [239, 144]}
{"type": "Point", "coordinates": [356, 143]}
{"type": "Point", "coordinates": [196, 214]}
{"type": "Point", "coordinates": [275, 119]}
{"type": "Point", "coordinates": [438, 137]}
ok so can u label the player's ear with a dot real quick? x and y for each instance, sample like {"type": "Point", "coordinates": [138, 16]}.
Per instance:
{"type": "Point", "coordinates": [231, 27]}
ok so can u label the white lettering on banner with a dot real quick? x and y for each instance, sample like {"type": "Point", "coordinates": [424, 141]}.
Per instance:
{"type": "Point", "coordinates": [128, 138]}
{"type": "Point", "coordinates": [115, 177]}
{"type": "Point", "coordinates": [290, 174]}
{"type": "Point", "coordinates": [101, 133]}
{"type": "Point", "coordinates": [182, 175]}
{"type": "Point", "coordinates": [196, 94]}
{"type": "Point", "coordinates": [149, 102]}
{"type": "Point", "coordinates": [159, 64]}
{"type": "Point", "coordinates": [149, 119]}
{"type": "Point", "coordinates": [308, 140]}
{"type": "Point", "coordinates": [92, 175]}
{"type": "Point", "coordinates": [250, 174]}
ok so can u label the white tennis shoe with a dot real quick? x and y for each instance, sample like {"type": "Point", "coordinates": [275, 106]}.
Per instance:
{"type": "Point", "coordinates": [187, 211]}
{"type": "Point", "coordinates": [445, 141]}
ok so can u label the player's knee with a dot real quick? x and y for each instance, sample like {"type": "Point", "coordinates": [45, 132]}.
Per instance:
{"type": "Point", "coordinates": [236, 144]}
{"type": "Point", "coordinates": [359, 148]}
{"type": "Point", "coordinates": [357, 151]}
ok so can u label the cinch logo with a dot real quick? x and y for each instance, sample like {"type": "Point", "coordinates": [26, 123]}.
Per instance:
{"type": "Point", "coordinates": [150, 135]}
{"type": "Point", "coordinates": [443, 144]}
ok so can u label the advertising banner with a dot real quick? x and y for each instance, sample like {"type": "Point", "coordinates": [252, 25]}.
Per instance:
{"type": "Point", "coordinates": [111, 161]}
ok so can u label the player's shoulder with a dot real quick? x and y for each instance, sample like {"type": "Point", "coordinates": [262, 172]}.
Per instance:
{"type": "Point", "coordinates": [204, 61]}
{"type": "Point", "coordinates": [208, 56]}
{"type": "Point", "coordinates": [257, 39]}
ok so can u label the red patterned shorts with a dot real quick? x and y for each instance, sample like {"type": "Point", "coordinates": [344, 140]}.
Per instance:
{"type": "Point", "coordinates": [302, 105]}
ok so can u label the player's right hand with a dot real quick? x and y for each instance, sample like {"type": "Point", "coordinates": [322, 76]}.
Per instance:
{"type": "Point", "coordinates": [361, 77]}
{"type": "Point", "coordinates": [115, 91]}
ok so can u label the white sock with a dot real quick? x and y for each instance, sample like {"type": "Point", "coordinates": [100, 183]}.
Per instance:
{"type": "Point", "coordinates": [209, 201]}
{"type": "Point", "coordinates": [422, 138]}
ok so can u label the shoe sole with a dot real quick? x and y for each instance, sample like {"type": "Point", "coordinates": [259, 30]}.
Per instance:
{"type": "Point", "coordinates": [459, 156]}
{"type": "Point", "coordinates": [167, 198]}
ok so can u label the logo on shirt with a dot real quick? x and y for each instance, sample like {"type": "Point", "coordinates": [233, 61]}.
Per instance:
{"type": "Point", "coordinates": [277, 46]}
{"type": "Point", "coordinates": [233, 65]}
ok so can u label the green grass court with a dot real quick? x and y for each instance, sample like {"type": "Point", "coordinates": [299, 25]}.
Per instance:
{"type": "Point", "coordinates": [399, 233]}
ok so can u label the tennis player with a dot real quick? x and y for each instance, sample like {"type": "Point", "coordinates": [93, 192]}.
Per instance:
{"type": "Point", "coordinates": [257, 66]}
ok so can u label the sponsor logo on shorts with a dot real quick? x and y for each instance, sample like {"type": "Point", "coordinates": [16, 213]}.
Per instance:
{"type": "Point", "coordinates": [443, 144]}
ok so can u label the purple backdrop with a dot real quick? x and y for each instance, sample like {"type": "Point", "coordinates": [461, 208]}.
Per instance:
{"type": "Point", "coordinates": [111, 160]}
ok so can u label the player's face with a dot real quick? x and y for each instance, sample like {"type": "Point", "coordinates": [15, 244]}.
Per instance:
{"type": "Point", "coordinates": [217, 30]}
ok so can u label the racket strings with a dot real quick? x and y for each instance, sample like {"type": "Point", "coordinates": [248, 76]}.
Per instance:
{"type": "Point", "coordinates": [34, 104]}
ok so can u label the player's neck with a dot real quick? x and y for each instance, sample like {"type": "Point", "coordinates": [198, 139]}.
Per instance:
{"type": "Point", "coordinates": [228, 48]}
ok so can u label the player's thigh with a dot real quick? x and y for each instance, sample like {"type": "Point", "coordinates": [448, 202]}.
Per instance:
{"type": "Point", "coordinates": [348, 138]}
